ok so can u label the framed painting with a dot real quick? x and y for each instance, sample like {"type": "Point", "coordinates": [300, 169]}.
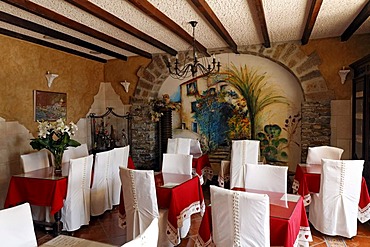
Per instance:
{"type": "Point", "coordinates": [191, 88]}
{"type": "Point", "coordinates": [49, 106]}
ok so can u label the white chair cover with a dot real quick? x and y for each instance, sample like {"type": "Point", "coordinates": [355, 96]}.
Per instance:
{"type": "Point", "coordinates": [266, 177]}
{"type": "Point", "coordinates": [195, 148]}
{"type": "Point", "coordinates": [76, 208]}
{"type": "Point", "coordinates": [177, 163]}
{"type": "Point", "coordinates": [101, 189]}
{"type": "Point", "coordinates": [119, 159]}
{"type": "Point", "coordinates": [334, 210]}
{"type": "Point", "coordinates": [178, 146]}
{"type": "Point", "coordinates": [149, 238]}
{"type": "Point", "coordinates": [34, 161]}
{"type": "Point", "coordinates": [16, 227]}
{"type": "Point", "coordinates": [315, 154]}
{"type": "Point", "coordinates": [75, 153]}
{"type": "Point", "coordinates": [240, 218]}
{"type": "Point", "coordinates": [242, 152]}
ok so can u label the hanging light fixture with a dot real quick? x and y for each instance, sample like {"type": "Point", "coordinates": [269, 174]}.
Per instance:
{"type": "Point", "coordinates": [195, 66]}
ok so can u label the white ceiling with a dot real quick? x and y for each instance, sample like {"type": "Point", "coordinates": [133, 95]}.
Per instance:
{"type": "Point", "coordinates": [285, 22]}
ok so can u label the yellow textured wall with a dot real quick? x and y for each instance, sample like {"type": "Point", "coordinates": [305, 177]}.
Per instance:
{"type": "Point", "coordinates": [335, 54]}
{"type": "Point", "coordinates": [118, 70]}
{"type": "Point", "coordinates": [23, 66]}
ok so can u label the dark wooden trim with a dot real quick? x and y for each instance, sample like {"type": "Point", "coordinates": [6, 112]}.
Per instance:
{"type": "Point", "coordinates": [161, 18]}
{"type": "Point", "coordinates": [356, 23]}
{"type": "Point", "coordinates": [62, 20]}
{"type": "Point", "coordinates": [56, 34]}
{"type": "Point", "coordinates": [262, 22]}
{"type": "Point", "coordinates": [115, 21]}
{"type": "Point", "coordinates": [207, 12]}
{"type": "Point", "coordinates": [50, 45]}
{"type": "Point", "coordinates": [311, 19]}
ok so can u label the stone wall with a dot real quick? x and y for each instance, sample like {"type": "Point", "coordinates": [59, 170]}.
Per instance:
{"type": "Point", "coordinates": [315, 128]}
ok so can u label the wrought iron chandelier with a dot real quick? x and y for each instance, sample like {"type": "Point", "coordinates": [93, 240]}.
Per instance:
{"type": "Point", "coordinates": [195, 66]}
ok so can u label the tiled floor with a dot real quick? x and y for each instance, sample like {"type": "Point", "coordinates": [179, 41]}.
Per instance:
{"type": "Point", "coordinates": [105, 229]}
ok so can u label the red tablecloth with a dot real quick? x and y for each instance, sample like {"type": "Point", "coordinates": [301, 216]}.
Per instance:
{"type": "Point", "coordinates": [181, 201]}
{"type": "Point", "coordinates": [307, 180]}
{"type": "Point", "coordinates": [40, 192]}
{"type": "Point", "coordinates": [288, 226]}
{"type": "Point", "coordinates": [202, 168]}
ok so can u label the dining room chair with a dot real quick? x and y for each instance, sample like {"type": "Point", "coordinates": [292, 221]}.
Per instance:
{"type": "Point", "coordinates": [266, 177]}
{"type": "Point", "coordinates": [177, 163]}
{"type": "Point", "coordinates": [141, 207]}
{"type": "Point", "coordinates": [178, 145]}
{"type": "Point", "coordinates": [334, 210]}
{"type": "Point", "coordinates": [239, 218]}
{"type": "Point", "coordinates": [315, 154]}
{"type": "Point", "coordinates": [74, 153]}
{"type": "Point", "coordinates": [102, 185]}
{"type": "Point", "coordinates": [119, 159]}
{"type": "Point", "coordinates": [34, 161]}
{"type": "Point", "coordinates": [148, 238]}
{"type": "Point", "coordinates": [76, 206]}
{"type": "Point", "coordinates": [16, 227]}
{"type": "Point", "coordinates": [242, 152]}
{"type": "Point", "coordinates": [195, 148]}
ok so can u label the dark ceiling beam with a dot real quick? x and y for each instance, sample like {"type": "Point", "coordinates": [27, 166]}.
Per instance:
{"type": "Point", "coordinates": [207, 12]}
{"type": "Point", "coordinates": [115, 21]}
{"type": "Point", "coordinates": [62, 20]}
{"type": "Point", "coordinates": [262, 21]}
{"type": "Point", "coordinates": [56, 34]}
{"type": "Point", "coordinates": [161, 18]}
{"type": "Point", "coordinates": [356, 23]}
{"type": "Point", "coordinates": [50, 45]}
{"type": "Point", "coordinates": [311, 19]}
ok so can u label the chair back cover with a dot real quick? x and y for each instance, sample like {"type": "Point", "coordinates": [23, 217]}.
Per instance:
{"type": "Point", "coordinates": [34, 161]}
{"type": "Point", "coordinates": [178, 146]}
{"type": "Point", "coordinates": [334, 210]}
{"type": "Point", "coordinates": [242, 152]}
{"type": "Point", "coordinates": [140, 198]}
{"type": "Point", "coordinates": [74, 153]}
{"type": "Point", "coordinates": [177, 163]}
{"type": "Point", "coordinates": [102, 186]}
{"type": "Point", "coordinates": [76, 208]}
{"type": "Point", "coordinates": [16, 227]}
{"type": "Point", "coordinates": [119, 159]}
{"type": "Point", "coordinates": [195, 148]}
{"type": "Point", "coordinates": [266, 177]}
{"type": "Point", "coordinates": [315, 154]}
{"type": "Point", "coordinates": [240, 218]}
{"type": "Point", "coordinates": [148, 238]}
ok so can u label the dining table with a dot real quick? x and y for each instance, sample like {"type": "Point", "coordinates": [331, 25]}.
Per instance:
{"type": "Point", "coordinates": [307, 181]}
{"type": "Point", "coordinates": [202, 168]}
{"type": "Point", "coordinates": [289, 225]}
{"type": "Point", "coordinates": [181, 194]}
{"type": "Point", "coordinates": [69, 241]}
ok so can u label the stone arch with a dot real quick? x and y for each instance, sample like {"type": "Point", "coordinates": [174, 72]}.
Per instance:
{"type": "Point", "coordinates": [289, 55]}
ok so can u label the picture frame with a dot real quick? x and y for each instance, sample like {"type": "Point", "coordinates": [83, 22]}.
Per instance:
{"type": "Point", "coordinates": [191, 88]}
{"type": "Point", "coordinates": [49, 106]}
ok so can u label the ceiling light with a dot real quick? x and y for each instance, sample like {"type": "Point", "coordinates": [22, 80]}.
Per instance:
{"type": "Point", "coordinates": [195, 66]}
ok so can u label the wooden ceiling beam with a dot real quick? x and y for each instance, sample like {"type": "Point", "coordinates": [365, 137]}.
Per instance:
{"type": "Point", "coordinates": [161, 18]}
{"type": "Point", "coordinates": [62, 20]}
{"type": "Point", "coordinates": [262, 22]}
{"type": "Point", "coordinates": [56, 34]}
{"type": "Point", "coordinates": [356, 23]}
{"type": "Point", "coordinates": [119, 23]}
{"type": "Point", "coordinates": [211, 17]}
{"type": "Point", "coordinates": [50, 45]}
{"type": "Point", "coordinates": [311, 19]}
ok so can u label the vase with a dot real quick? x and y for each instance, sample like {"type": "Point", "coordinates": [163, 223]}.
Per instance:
{"type": "Point", "coordinates": [58, 157]}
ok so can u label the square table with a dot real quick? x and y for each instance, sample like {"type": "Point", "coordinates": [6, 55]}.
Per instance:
{"type": "Point", "coordinates": [288, 221]}
{"type": "Point", "coordinates": [202, 168]}
{"type": "Point", "coordinates": [181, 194]}
{"type": "Point", "coordinates": [307, 181]}
{"type": "Point", "coordinates": [42, 188]}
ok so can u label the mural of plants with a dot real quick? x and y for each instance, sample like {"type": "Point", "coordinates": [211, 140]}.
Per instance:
{"type": "Point", "coordinates": [291, 125]}
{"type": "Point", "coordinates": [272, 145]}
{"type": "Point", "coordinates": [254, 88]}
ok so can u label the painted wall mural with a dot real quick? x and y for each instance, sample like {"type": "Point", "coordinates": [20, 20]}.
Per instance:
{"type": "Point", "coordinates": [251, 98]}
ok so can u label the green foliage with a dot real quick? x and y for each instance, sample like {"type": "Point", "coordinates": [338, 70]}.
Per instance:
{"type": "Point", "coordinates": [271, 143]}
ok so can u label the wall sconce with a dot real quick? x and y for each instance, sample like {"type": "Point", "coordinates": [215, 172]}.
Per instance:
{"type": "Point", "coordinates": [343, 74]}
{"type": "Point", "coordinates": [50, 78]}
{"type": "Point", "coordinates": [125, 85]}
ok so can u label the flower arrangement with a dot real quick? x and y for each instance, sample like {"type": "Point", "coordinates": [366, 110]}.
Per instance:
{"type": "Point", "coordinates": [55, 137]}
{"type": "Point", "coordinates": [158, 105]}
